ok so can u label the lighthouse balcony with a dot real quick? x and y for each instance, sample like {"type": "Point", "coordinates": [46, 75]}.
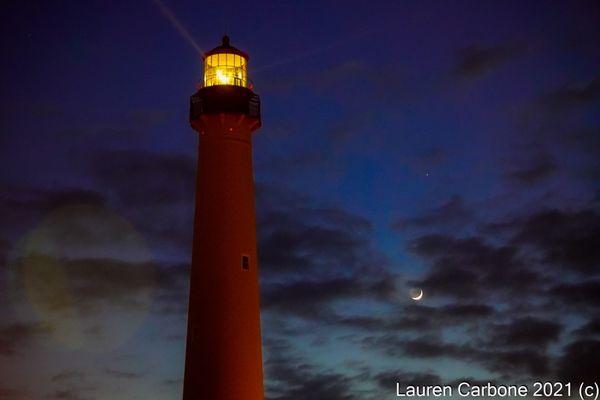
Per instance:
{"type": "Point", "coordinates": [224, 99]}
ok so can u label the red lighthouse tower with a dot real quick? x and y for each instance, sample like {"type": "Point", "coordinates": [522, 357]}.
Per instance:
{"type": "Point", "coordinates": [223, 353]}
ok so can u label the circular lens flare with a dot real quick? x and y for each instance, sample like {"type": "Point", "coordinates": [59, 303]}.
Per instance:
{"type": "Point", "coordinates": [87, 275]}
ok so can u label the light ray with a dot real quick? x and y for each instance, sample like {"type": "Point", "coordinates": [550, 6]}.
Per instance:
{"type": "Point", "coordinates": [177, 25]}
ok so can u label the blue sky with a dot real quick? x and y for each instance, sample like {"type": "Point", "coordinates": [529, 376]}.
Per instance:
{"type": "Point", "coordinates": [448, 146]}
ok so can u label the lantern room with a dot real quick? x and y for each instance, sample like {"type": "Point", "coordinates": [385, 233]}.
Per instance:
{"type": "Point", "coordinates": [225, 65]}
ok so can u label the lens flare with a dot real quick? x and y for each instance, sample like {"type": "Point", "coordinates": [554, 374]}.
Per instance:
{"type": "Point", "coordinates": [86, 274]}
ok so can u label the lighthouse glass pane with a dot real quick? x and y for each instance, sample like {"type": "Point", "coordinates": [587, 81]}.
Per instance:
{"type": "Point", "coordinates": [225, 69]}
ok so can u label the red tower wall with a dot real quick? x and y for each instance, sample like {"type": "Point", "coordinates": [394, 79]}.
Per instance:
{"type": "Point", "coordinates": [223, 353]}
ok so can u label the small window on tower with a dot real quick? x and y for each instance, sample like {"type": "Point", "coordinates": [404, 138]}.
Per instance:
{"type": "Point", "coordinates": [245, 263]}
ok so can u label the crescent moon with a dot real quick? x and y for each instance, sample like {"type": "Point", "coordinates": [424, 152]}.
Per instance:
{"type": "Point", "coordinates": [418, 296]}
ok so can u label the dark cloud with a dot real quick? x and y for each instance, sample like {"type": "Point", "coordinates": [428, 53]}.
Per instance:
{"type": "Point", "coordinates": [172, 295]}
{"type": "Point", "coordinates": [471, 268]}
{"type": "Point", "coordinates": [466, 311]}
{"type": "Point", "coordinates": [585, 140]}
{"type": "Point", "coordinates": [427, 348]}
{"type": "Point", "coordinates": [272, 197]}
{"type": "Point", "coordinates": [477, 60]}
{"type": "Point", "coordinates": [522, 263]}
{"type": "Point", "coordinates": [385, 323]}
{"type": "Point", "coordinates": [582, 295]}
{"type": "Point", "coordinates": [572, 94]}
{"type": "Point", "coordinates": [140, 178]}
{"type": "Point", "coordinates": [297, 236]}
{"type": "Point", "coordinates": [567, 239]}
{"type": "Point", "coordinates": [513, 363]}
{"type": "Point", "coordinates": [291, 377]}
{"type": "Point", "coordinates": [387, 380]}
{"type": "Point", "coordinates": [538, 169]}
{"type": "Point", "coordinates": [68, 394]}
{"type": "Point", "coordinates": [420, 318]}
{"type": "Point", "coordinates": [5, 247]}
{"type": "Point", "coordinates": [558, 131]}
{"type": "Point", "coordinates": [93, 283]}
{"type": "Point", "coordinates": [525, 333]}
{"type": "Point", "coordinates": [313, 258]}
{"type": "Point", "coordinates": [509, 362]}
{"type": "Point", "coordinates": [472, 381]}
{"type": "Point", "coordinates": [21, 206]}
{"type": "Point", "coordinates": [527, 260]}
{"type": "Point", "coordinates": [71, 385]}
{"type": "Point", "coordinates": [451, 213]}
{"type": "Point", "coordinates": [68, 375]}
{"type": "Point", "coordinates": [172, 382]}
{"type": "Point", "coordinates": [306, 385]}
{"type": "Point", "coordinates": [13, 394]}
{"type": "Point", "coordinates": [40, 200]}
{"type": "Point", "coordinates": [115, 373]}
{"type": "Point", "coordinates": [155, 190]}
{"type": "Point", "coordinates": [580, 363]}
{"type": "Point", "coordinates": [17, 336]}
{"type": "Point", "coordinates": [589, 329]}
{"type": "Point", "coordinates": [310, 298]}
{"type": "Point", "coordinates": [302, 248]}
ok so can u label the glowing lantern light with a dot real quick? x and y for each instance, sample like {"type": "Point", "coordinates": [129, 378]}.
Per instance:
{"type": "Point", "coordinates": [225, 65]}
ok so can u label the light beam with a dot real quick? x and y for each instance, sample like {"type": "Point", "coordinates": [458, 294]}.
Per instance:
{"type": "Point", "coordinates": [177, 25]}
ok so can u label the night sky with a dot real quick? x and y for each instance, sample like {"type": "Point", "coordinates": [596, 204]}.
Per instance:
{"type": "Point", "coordinates": [448, 146]}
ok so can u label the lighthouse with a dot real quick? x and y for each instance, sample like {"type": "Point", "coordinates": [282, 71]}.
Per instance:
{"type": "Point", "coordinates": [223, 358]}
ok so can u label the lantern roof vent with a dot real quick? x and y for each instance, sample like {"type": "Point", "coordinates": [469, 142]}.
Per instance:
{"type": "Point", "coordinates": [227, 48]}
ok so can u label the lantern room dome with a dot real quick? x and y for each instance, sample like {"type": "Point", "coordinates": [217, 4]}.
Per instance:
{"type": "Point", "coordinates": [226, 47]}
{"type": "Point", "coordinates": [225, 65]}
